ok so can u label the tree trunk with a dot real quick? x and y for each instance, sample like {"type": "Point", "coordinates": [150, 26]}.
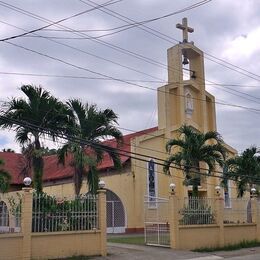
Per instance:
{"type": "Point", "coordinates": [37, 162]}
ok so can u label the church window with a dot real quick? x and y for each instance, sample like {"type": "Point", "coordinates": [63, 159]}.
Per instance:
{"type": "Point", "coordinates": [227, 199]}
{"type": "Point", "coordinates": [151, 184]}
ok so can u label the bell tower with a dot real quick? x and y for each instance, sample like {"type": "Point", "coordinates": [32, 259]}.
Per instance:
{"type": "Point", "coordinates": [184, 99]}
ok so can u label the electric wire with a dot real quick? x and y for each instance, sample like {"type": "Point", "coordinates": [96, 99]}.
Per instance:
{"type": "Point", "coordinates": [129, 26]}
{"type": "Point", "coordinates": [133, 69]}
{"type": "Point", "coordinates": [148, 62]}
{"type": "Point", "coordinates": [123, 81]}
{"type": "Point", "coordinates": [59, 21]}
{"type": "Point", "coordinates": [106, 148]}
{"type": "Point", "coordinates": [134, 80]}
{"type": "Point", "coordinates": [158, 33]}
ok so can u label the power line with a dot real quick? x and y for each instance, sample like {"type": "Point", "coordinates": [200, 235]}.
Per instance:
{"type": "Point", "coordinates": [90, 54]}
{"type": "Point", "coordinates": [129, 53]}
{"type": "Point", "coordinates": [59, 21]}
{"type": "Point", "coordinates": [134, 69]}
{"type": "Point", "coordinates": [133, 80]}
{"type": "Point", "coordinates": [162, 36]}
{"type": "Point", "coordinates": [131, 25]}
{"type": "Point", "coordinates": [123, 81]}
{"type": "Point", "coordinates": [75, 77]}
{"type": "Point", "coordinates": [105, 148]}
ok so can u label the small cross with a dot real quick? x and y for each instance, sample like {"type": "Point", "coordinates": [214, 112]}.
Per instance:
{"type": "Point", "coordinates": [185, 29]}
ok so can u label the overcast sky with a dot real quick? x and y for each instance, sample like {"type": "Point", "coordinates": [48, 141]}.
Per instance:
{"type": "Point", "coordinates": [227, 29]}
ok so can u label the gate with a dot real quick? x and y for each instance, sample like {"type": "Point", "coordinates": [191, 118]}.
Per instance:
{"type": "Point", "coordinates": [115, 213]}
{"type": "Point", "coordinates": [156, 221]}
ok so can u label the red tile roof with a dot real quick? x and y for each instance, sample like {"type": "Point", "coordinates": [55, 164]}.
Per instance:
{"type": "Point", "coordinates": [15, 163]}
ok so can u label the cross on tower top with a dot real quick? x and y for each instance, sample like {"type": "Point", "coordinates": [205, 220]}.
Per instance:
{"type": "Point", "coordinates": [185, 29]}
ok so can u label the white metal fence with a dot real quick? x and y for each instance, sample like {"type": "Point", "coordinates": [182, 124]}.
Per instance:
{"type": "Point", "coordinates": [156, 225]}
{"type": "Point", "coordinates": [239, 212]}
{"type": "Point", "coordinates": [197, 211]}
{"type": "Point", "coordinates": [52, 214]}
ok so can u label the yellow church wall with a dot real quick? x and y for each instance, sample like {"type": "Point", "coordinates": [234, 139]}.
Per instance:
{"type": "Point", "coordinates": [124, 186]}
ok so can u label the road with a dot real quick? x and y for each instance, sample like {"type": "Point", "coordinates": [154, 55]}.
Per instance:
{"type": "Point", "coordinates": [134, 252]}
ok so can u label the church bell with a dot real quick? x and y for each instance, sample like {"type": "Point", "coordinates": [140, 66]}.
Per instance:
{"type": "Point", "coordinates": [185, 60]}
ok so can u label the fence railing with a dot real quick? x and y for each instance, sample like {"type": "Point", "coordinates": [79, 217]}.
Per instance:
{"type": "Point", "coordinates": [52, 214]}
{"type": "Point", "coordinates": [10, 213]}
{"type": "Point", "coordinates": [156, 209]}
{"type": "Point", "coordinates": [197, 211]}
{"type": "Point", "coordinates": [239, 212]}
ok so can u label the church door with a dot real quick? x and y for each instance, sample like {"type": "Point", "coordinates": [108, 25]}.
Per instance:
{"type": "Point", "coordinates": [115, 213]}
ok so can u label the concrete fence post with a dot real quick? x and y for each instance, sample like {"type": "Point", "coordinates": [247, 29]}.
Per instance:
{"type": "Point", "coordinates": [255, 216]}
{"type": "Point", "coordinates": [173, 220]}
{"type": "Point", "coordinates": [219, 206]}
{"type": "Point", "coordinates": [26, 222]}
{"type": "Point", "coordinates": [102, 220]}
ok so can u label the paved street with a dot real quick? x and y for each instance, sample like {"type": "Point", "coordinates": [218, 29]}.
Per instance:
{"type": "Point", "coordinates": [133, 252]}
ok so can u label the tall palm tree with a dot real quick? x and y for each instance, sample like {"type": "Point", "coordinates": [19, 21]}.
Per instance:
{"type": "Point", "coordinates": [41, 110]}
{"type": "Point", "coordinates": [244, 169]}
{"type": "Point", "coordinates": [91, 126]}
{"type": "Point", "coordinates": [5, 178]}
{"type": "Point", "coordinates": [195, 147]}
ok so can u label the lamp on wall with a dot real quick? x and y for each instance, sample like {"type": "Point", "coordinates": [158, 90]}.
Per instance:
{"type": "Point", "coordinates": [217, 189]}
{"type": "Point", "coordinates": [172, 188]}
{"type": "Point", "coordinates": [101, 184]}
{"type": "Point", "coordinates": [27, 181]}
{"type": "Point", "coordinates": [253, 191]}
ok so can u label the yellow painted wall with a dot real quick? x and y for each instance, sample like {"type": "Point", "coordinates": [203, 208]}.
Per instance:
{"type": "Point", "coordinates": [237, 233]}
{"type": "Point", "coordinates": [62, 244]}
{"type": "Point", "coordinates": [192, 237]}
{"type": "Point", "coordinates": [11, 246]}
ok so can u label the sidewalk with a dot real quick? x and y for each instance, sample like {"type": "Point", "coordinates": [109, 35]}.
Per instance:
{"type": "Point", "coordinates": [136, 252]}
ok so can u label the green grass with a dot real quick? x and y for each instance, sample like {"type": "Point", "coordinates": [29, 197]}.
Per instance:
{"type": "Point", "coordinates": [138, 240]}
{"type": "Point", "coordinates": [242, 244]}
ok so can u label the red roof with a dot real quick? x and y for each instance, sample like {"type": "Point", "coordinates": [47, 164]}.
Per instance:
{"type": "Point", "coordinates": [15, 163]}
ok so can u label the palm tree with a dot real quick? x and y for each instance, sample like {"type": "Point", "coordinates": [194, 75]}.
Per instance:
{"type": "Point", "coordinates": [91, 126]}
{"type": "Point", "coordinates": [33, 118]}
{"type": "Point", "coordinates": [5, 178]}
{"type": "Point", "coordinates": [244, 169]}
{"type": "Point", "coordinates": [195, 147]}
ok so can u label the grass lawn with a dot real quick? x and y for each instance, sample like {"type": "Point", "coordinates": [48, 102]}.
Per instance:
{"type": "Point", "coordinates": [134, 240]}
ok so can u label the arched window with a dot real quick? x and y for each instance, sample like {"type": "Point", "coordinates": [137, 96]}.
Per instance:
{"type": "Point", "coordinates": [4, 217]}
{"type": "Point", "coordinates": [151, 184]}
{"type": "Point", "coordinates": [116, 216]}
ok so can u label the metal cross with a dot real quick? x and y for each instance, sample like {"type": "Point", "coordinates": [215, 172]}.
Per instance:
{"type": "Point", "coordinates": [185, 29]}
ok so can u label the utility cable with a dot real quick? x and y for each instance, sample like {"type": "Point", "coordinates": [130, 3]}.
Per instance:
{"type": "Point", "coordinates": [103, 147]}
{"type": "Point", "coordinates": [123, 81]}
{"type": "Point", "coordinates": [142, 59]}
{"type": "Point", "coordinates": [59, 21]}
{"type": "Point", "coordinates": [160, 34]}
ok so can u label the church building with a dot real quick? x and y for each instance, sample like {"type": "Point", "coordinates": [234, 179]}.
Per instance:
{"type": "Point", "coordinates": [184, 100]}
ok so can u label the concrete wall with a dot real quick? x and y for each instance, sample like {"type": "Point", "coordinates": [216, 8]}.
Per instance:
{"type": "Point", "coordinates": [27, 245]}
{"type": "Point", "coordinates": [63, 244]}
{"type": "Point", "coordinates": [11, 246]}
{"type": "Point", "coordinates": [213, 235]}
{"type": "Point", "coordinates": [237, 233]}
{"type": "Point", "coordinates": [199, 236]}
{"type": "Point", "coordinates": [191, 237]}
